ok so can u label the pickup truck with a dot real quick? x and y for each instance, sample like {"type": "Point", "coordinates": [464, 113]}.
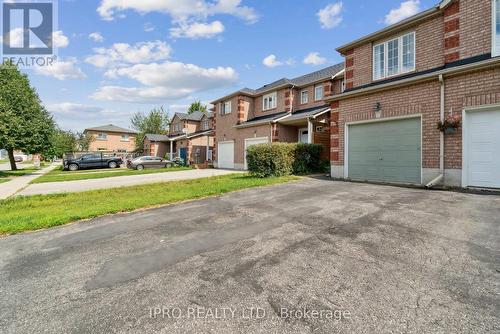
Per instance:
{"type": "Point", "coordinates": [96, 160]}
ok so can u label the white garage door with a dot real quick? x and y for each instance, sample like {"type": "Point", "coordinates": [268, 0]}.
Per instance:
{"type": "Point", "coordinates": [225, 155]}
{"type": "Point", "coordinates": [482, 149]}
{"type": "Point", "coordinates": [253, 141]}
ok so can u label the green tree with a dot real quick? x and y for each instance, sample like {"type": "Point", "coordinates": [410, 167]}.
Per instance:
{"type": "Point", "coordinates": [197, 106]}
{"type": "Point", "coordinates": [24, 123]}
{"type": "Point", "coordinates": [155, 122]}
{"type": "Point", "coordinates": [83, 141]}
{"type": "Point", "coordinates": [62, 142]}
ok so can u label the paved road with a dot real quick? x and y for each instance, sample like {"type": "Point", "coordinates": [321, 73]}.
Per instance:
{"type": "Point", "coordinates": [390, 260]}
{"type": "Point", "coordinates": [15, 185]}
{"type": "Point", "coordinates": [119, 181]}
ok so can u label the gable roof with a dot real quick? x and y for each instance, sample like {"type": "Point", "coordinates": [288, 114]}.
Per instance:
{"type": "Point", "coordinates": [111, 128]}
{"type": "Point", "coordinates": [156, 137]}
{"type": "Point", "coordinates": [406, 23]}
{"type": "Point", "coordinates": [304, 80]}
{"type": "Point", "coordinates": [195, 116]}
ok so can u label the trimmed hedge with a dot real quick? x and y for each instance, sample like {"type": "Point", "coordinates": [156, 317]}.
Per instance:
{"type": "Point", "coordinates": [280, 159]}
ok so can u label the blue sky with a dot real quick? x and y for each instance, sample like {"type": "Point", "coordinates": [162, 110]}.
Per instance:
{"type": "Point", "coordinates": [115, 61]}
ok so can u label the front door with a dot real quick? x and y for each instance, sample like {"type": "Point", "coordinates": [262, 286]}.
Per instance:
{"type": "Point", "coordinates": [304, 136]}
{"type": "Point", "coordinates": [183, 154]}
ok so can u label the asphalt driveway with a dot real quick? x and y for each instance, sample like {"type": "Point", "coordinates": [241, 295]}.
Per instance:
{"type": "Point", "coordinates": [311, 256]}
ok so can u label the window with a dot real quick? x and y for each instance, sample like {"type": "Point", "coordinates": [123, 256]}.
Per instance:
{"type": "Point", "coordinates": [102, 136]}
{"type": "Point", "coordinates": [304, 97]}
{"type": "Point", "coordinates": [269, 101]}
{"type": "Point", "coordinates": [125, 138]}
{"type": "Point", "coordinates": [394, 57]}
{"type": "Point", "coordinates": [342, 86]}
{"type": "Point", "coordinates": [318, 92]}
{"type": "Point", "coordinates": [205, 125]}
{"type": "Point", "coordinates": [177, 127]}
{"type": "Point", "coordinates": [496, 28]}
{"type": "Point", "coordinates": [225, 108]}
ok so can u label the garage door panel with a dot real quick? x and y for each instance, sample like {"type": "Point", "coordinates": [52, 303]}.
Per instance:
{"type": "Point", "coordinates": [385, 151]}
{"type": "Point", "coordinates": [226, 155]}
{"type": "Point", "coordinates": [483, 149]}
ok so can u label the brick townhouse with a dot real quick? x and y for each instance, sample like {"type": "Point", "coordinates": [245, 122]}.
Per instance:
{"type": "Point", "coordinates": [400, 81]}
{"type": "Point", "coordinates": [287, 110]}
{"type": "Point", "coordinates": [190, 137]}
{"type": "Point", "coordinates": [111, 138]}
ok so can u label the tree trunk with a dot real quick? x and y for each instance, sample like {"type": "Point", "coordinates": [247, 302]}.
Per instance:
{"type": "Point", "coordinates": [13, 166]}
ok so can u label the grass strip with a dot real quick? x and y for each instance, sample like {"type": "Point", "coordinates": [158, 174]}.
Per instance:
{"type": "Point", "coordinates": [37, 212]}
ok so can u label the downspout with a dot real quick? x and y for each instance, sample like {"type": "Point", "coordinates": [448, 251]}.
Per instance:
{"type": "Point", "coordinates": [441, 137]}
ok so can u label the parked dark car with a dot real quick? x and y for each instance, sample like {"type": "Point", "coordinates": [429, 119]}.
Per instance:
{"type": "Point", "coordinates": [141, 163]}
{"type": "Point", "coordinates": [96, 160]}
{"type": "Point", "coordinates": [18, 159]}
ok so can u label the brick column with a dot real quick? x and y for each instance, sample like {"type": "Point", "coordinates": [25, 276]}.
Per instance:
{"type": "Point", "coordinates": [452, 32]}
{"type": "Point", "coordinates": [334, 134]}
{"type": "Point", "coordinates": [288, 100]}
{"type": "Point", "coordinates": [241, 110]}
{"type": "Point", "coordinates": [328, 89]}
{"type": "Point", "coordinates": [274, 131]}
{"type": "Point", "coordinates": [349, 69]}
{"type": "Point", "coordinates": [214, 127]}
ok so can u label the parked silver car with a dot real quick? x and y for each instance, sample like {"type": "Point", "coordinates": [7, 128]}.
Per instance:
{"type": "Point", "coordinates": [141, 163]}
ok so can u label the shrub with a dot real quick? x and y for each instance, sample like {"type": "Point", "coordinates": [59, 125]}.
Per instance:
{"type": "Point", "coordinates": [279, 159]}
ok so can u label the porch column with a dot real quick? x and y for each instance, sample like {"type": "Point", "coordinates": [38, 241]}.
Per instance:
{"type": "Point", "coordinates": [208, 148]}
{"type": "Point", "coordinates": [310, 129]}
{"type": "Point", "coordinates": [171, 149]}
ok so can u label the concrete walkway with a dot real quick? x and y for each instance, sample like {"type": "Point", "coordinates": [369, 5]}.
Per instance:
{"type": "Point", "coordinates": [10, 188]}
{"type": "Point", "coordinates": [119, 181]}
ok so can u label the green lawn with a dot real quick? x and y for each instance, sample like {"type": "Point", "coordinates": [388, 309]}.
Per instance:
{"type": "Point", "coordinates": [20, 172]}
{"type": "Point", "coordinates": [59, 175]}
{"type": "Point", "coordinates": [31, 213]}
{"type": "Point", "coordinates": [3, 180]}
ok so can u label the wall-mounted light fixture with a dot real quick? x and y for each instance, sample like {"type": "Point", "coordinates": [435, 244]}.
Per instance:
{"type": "Point", "coordinates": [377, 109]}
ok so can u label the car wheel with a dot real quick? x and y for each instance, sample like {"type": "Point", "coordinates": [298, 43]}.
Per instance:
{"type": "Point", "coordinates": [112, 164]}
{"type": "Point", "coordinates": [73, 167]}
{"type": "Point", "coordinates": [140, 167]}
{"type": "Point", "coordinates": [168, 166]}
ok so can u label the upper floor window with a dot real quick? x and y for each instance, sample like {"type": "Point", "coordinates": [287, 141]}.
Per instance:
{"type": "Point", "coordinates": [395, 56]}
{"type": "Point", "coordinates": [304, 97]}
{"type": "Point", "coordinates": [205, 125]}
{"type": "Point", "coordinates": [102, 136]}
{"type": "Point", "coordinates": [178, 127]}
{"type": "Point", "coordinates": [269, 101]}
{"type": "Point", "coordinates": [125, 138]}
{"type": "Point", "coordinates": [496, 28]}
{"type": "Point", "coordinates": [318, 92]}
{"type": "Point", "coordinates": [225, 108]}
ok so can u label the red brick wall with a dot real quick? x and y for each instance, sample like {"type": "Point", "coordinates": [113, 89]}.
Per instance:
{"type": "Point", "coordinates": [473, 89]}
{"type": "Point", "coordinates": [462, 31]}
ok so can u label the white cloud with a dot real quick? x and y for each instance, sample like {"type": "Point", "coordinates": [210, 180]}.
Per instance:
{"type": "Point", "coordinates": [149, 27]}
{"type": "Point", "coordinates": [76, 116]}
{"type": "Point", "coordinates": [121, 54]}
{"type": "Point", "coordinates": [59, 39]}
{"type": "Point", "coordinates": [164, 81]}
{"type": "Point", "coordinates": [405, 10]}
{"type": "Point", "coordinates": [62, 70]}
{"type": "Point", "coordinates": [314, 58]}
{"type": "Point", "coordinates": [272, 61]}
{"type": "Point", "coordinates": [178, 10]}
{"type": "Point", "coordinates": [96, 37]}
{"type": "Point", "coordinates": [197, 30]}
{"type": "Point", "coordinates": [330, 16]}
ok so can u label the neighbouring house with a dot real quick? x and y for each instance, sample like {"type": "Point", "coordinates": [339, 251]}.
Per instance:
{"type": "Point", "coordinates": [190, 137]}
{"type": "Point", "coordinates": [112, 138]}
{"type": "Point", "coordinates": [287, 110]}
{"type": "Point", "coordinates": [441, 64]}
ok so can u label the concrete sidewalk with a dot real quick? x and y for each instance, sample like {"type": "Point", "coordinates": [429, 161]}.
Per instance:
{"type": "Point", "coordinates": [119, 181]}
{"type": "Point", "coordinates": [10, 188]}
